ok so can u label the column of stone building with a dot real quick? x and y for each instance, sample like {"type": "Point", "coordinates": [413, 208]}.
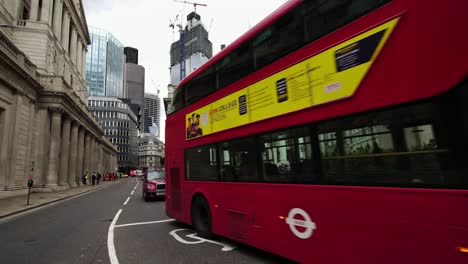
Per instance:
{"type": "Point", "coordinates": [79, 56]}
{"type": "Point", "coordinates": [91, 154]}
{"type": "Point", "coordinates": [80, 168]}
{"type": "Point", "coordinates": [40, 169]}
{"type": "Point", "coordinates": [65, 30]}
{"type": "Point", "coordinates": [94, 154]}
{"type": "Point", "coordinates": [96, 147]}
{"type": "Point", "coordinates": [98, 168]}
{"type": "Point", "coordinates": [57, 18]}
{"type": "Point", "coordinates": [64, 152]}
{"type": "Point", "coordinates": [73, 43]}
{"type": "Point", "coordinates": [107, 162]}
{"type": "Point", "coordinates": [87, 146]}
{"type": "Point", "coordinates": [54, 150]}
{"type": "Point", "coordinates": [101, 166]}
{"type": "Point", "coordinates": [73, 159]}
{"type": "Point", "coordinates": [103, 161]}
{"type": "Point", "coordinates": [46, 10]}
{"type": "Point", "coordinates": [17, 105]}
{"type": "Point", "coordinates": [34, 13]}
{"type": "Point", "coordinates": [98, 157]}
{"type": "Point", "coordinates": [83, 64]}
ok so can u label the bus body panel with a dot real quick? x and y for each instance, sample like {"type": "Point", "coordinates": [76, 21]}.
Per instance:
{"type": "Point", "coordinates": [357, 224]}
{"type": "Point", "coordinates": [425, 56]}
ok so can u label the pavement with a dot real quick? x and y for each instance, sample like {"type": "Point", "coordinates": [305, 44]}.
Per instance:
{"type": "Point", "coordinates": [13, 202]}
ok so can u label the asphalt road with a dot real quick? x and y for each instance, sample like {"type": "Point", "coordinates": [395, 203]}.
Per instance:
{"type": "Point", "coordinates": [77, 231]}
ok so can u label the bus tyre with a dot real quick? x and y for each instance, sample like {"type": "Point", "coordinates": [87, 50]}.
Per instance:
{"type": "Point", "coordinates": [201, 217]}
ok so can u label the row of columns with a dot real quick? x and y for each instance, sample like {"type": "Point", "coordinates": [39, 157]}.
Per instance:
{"type": "Point", "coordinates": [72, 151]}
{"type": "Point", "coordinates": [57, 16]}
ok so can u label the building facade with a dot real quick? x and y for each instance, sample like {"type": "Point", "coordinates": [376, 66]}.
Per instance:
{"type": "Point", "coordinates": [120, 127]}
{"type": "Point", "coordinates": [152, 114]}
{"type": "Point", "coordinates": [150, 152]}
{"type": "Point", "coordinates": [135, 84]}
{"type": "Point", "coordinates": [46, 131]}
{"type": "Point", "coordinates": [96, 59]}
{"type": "Point", "coordinates": [105, 65]}
{"type": "Point", "coordinates": [196, 49]}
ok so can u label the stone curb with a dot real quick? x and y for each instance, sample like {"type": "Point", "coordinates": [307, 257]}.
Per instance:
{"type": "Point", "coordinates": [50, 202]}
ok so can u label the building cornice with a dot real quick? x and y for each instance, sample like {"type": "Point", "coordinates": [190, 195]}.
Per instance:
{"type": "Point", "coordinates": [79, 19]}
{"type": "Point", "coordinates": [50, 98]}
{"type": "Point", "coordinates": [78, 113]}
{"type": "Point", "coordinates": [85, 22]}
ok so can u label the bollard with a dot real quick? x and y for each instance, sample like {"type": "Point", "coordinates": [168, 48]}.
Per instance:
{"type": "Point", "coordinates": [30, 184]}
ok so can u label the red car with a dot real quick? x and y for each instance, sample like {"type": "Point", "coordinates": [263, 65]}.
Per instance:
{"type": "Point", "coordinates": [154, 184]}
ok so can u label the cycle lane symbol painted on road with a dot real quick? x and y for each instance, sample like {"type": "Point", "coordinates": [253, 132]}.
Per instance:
{"type": "Point", "coordinates": [198, 240]}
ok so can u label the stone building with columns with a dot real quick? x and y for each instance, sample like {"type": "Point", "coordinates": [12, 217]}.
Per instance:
{"type": "Point", "coordinates": [150, 151]}
{"type": "Point", "coordinates": [46, 129]}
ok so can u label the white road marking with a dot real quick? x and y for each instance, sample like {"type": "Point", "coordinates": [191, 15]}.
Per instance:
{"type": "Point", "coordinates": [226, 247]}
{"type": "Point", "coordinates": [132, 192]}
{"type": "Point", "coordinates": [128, 199]}
{"type": "Point", "coordinates": [110, 240]}
{"type": "Point", "coordinates": [146, 223]}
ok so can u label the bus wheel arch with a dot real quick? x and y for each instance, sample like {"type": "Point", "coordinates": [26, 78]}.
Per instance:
{"type": "Point", "coordinates": [201, 217]}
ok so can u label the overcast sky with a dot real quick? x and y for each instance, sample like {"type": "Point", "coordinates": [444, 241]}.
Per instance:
{"type": "Point", "coordinates": [144, 24]}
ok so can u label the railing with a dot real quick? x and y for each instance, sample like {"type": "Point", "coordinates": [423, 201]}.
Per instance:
{"type": "Point", "coordinates": [21, 23]}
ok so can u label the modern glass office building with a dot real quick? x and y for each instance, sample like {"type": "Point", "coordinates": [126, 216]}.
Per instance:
{"type": "Point", "coordinates": [104, 64]}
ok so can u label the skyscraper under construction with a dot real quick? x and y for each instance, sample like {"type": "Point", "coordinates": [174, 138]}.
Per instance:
{"type": "Point", "coordinates": [196, 49]}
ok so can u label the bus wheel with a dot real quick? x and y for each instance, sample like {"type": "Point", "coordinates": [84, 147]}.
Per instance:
{"type": "Point", "coordinates": [201, 217]}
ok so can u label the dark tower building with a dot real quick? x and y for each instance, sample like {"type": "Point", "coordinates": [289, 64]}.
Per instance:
{"type": "Point", "coordinates": [134, 84]}
{"type": "Point", "coordinates": [132, 55]}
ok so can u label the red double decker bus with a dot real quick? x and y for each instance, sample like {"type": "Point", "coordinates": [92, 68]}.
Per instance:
{"type": "Point", "coordinates": [331, 132]}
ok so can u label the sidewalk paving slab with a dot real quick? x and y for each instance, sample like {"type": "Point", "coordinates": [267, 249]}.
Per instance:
{"type": "Point", "coordinates": [15, 202]}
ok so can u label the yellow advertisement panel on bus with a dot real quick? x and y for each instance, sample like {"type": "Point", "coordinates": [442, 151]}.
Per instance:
{"type": "Point", "coordinates": [330, 75]}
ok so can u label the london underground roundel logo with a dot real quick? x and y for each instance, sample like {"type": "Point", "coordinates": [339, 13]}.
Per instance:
{"type": "Point", "coordinates": [294, 222]}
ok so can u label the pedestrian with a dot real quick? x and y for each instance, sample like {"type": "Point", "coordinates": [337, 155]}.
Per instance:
{"type": "Point", "coordinates": [93, 178]}
{"type": "Point", "coordinates": [98, 177]}
{"type": "Point", "coordinates": [85, 177]}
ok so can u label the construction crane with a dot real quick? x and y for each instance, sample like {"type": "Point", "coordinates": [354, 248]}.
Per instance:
{"type": "Point", "coordinates": [175, 23]}
{"type": "Point", "coordinates": [209, 28]}
{"type": "Point", "coordinates": [181, 37]}
{"type": "Point", "coordinates": [193, 3]}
